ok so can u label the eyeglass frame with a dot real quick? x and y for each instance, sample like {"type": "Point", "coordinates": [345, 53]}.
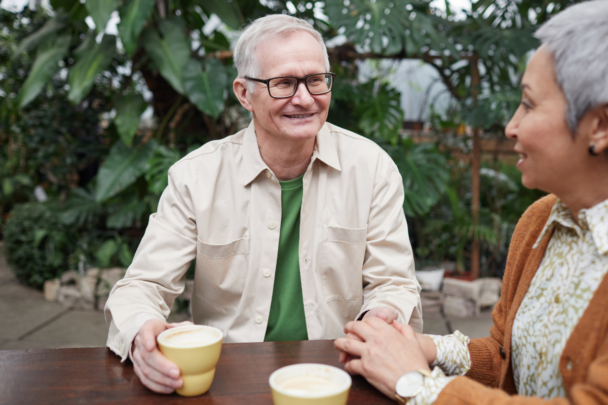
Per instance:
{"type": "Point", "coordinates": [295, 88]}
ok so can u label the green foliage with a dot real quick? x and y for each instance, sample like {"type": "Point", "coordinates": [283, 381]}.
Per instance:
{"type": "Point", "coordinates": [228, 12]}
{"type": "Point", "coordinates": [133, 17]}
{"type": "Point", "coordinates": [129, 109]}
{"type": "Point", "coordinates": [45, 66]}
{"type": "Point", "coordinates": [170, 53]}
{"type": "Point", "coordinates": [101, 11]}
{"type": "Point", "coordinates": [48, 29]}
{"type": "Point", "coordinates": [158, 168]}
{"type": "Point", "coordinates": [122, 168]}
{"type": "Point", "coordinates": [36, 244]}
{"type": "Point", "coordinates": [425, 175]}
{"type": "Point", "coordinates": [91, 63]}
{"type": "Point", "coordinates": [206, 89]}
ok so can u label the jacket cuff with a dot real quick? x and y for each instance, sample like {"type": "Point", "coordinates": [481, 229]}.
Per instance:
{"type": "Point", "coordinates": [120, 340]}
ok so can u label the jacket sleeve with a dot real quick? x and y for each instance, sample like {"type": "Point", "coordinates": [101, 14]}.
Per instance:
{"type": "Point", "coordinates": [388, 269]}
{"type": "Point", "coordinates": [592, 390]}
{"type": "Point", "coordinates": [157, 274]}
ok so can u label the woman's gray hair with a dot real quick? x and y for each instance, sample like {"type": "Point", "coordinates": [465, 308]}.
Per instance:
{"type": "Point", "coordinates": [266, 29]}
{"type": "Point", "coordinates": [578, 39]}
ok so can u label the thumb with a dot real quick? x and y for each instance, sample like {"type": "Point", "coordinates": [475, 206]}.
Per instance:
{"type": "Point", "coordinates": [150, 333]}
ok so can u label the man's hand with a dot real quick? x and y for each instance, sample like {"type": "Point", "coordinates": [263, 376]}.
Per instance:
{"type": "Point", "coordinates": [153, 369]}
{"type": "Point", "coordinates": [387, 314]}
{"type": "Point", "coordinates": [385, 352]}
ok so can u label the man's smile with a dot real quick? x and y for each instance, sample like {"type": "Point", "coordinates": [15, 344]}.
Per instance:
{"type": "Point", "coordinates": [299, 115]}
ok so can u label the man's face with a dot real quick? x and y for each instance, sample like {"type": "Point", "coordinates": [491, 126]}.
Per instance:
{"type": "Point", "coordinates": [301, 116]}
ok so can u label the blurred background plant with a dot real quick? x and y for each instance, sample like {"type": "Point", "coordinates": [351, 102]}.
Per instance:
{"type": "Point", "coordinates": [100, 98]}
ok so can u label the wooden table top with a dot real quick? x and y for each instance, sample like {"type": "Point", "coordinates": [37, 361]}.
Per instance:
{"type": "Point", "coordinates": [96, 376]}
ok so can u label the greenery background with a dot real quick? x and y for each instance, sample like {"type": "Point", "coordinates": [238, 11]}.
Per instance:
{"type": "Point", "coordinates": [72, 98]}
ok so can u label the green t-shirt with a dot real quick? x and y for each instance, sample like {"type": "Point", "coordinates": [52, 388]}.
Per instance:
{"type": "Point", "coordinates": [286, 321]}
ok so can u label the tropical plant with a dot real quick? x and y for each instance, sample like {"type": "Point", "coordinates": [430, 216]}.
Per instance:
{"type": "Point", "coordinates": [37, 245]}
{"type": "Point", "coordinates": [172, 59]}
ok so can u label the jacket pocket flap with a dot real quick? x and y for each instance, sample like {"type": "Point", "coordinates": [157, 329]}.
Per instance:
{"type": "Point", "coordinates": [345, 235]}
{"type": "Point", "coordinates": [236, 247]}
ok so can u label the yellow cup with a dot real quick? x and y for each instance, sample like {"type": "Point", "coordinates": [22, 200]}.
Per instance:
{"type": "Point", "coordinates": [310, 384]}
{"type": "Point", "coordinates": [195, 350]}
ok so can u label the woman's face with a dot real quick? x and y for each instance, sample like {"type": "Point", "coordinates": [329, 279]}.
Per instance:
{"type": "Point", "coordinates": [549, 157]}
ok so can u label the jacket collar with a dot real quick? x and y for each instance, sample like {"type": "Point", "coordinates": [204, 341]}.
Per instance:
{"type": "Point", "coordinates": [253, 164]}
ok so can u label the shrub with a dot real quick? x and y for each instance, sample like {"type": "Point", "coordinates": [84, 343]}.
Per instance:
{"type": "Point", "coordinates": [36, 244]}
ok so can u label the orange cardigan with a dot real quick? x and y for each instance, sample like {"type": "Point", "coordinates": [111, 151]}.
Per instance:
{"type": "Point", "coordinates": [584, 361]}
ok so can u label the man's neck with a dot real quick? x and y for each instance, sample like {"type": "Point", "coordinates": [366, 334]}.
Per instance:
{"type": "Point", "coordinates": [287, 158]}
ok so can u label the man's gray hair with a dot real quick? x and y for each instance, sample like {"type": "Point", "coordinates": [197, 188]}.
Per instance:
{"type": "Point", "coordinates": [578, 39]}
{"type": "Point", "coordinates": [265, 29]}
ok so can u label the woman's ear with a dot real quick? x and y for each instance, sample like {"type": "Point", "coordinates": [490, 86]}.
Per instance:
{"type": "Point", "coordinates": [598, 136]}
{"type": "Point", "coordinates": [241, 91]}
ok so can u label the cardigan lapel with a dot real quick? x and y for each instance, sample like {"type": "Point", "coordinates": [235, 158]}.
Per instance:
{"type": "Point", "coordinates": [590, 329]}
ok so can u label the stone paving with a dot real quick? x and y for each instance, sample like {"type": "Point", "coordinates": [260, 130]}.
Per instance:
{"type": "Point", "coordinates": [29, 322]}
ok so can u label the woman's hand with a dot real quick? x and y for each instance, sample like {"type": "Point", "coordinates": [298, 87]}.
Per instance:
{"type": "Point", "coordinates": [381, 353]}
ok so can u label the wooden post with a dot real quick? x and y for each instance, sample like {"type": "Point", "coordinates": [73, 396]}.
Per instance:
{"type": "Point", "coordinates": [475, 166]}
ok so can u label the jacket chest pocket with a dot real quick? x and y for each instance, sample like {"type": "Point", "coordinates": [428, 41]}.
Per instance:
{"type": "Point", "coordinates": [221, 270]}
{"type": "Point", "coordinates": [341, 263]}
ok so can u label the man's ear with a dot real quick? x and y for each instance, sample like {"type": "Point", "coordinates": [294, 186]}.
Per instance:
{"type": "Point", "coordinates": [599, 129]}
{"type": "Point", "coordinates": [240, 90]}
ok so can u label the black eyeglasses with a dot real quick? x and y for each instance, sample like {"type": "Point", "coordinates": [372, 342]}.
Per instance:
{"type": "Point", "coordinates": [286, 86]}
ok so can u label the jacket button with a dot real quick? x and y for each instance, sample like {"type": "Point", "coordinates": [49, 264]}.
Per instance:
{"type": "Point", "coordinates": [266, 272]}
{"type": "Point", "coordinates": [502, 353]}
{"type": "Point", "coordinates": [259, 319]}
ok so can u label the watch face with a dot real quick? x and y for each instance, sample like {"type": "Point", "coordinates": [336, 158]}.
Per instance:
{"type": "Point", "coordinates": [409, 384]}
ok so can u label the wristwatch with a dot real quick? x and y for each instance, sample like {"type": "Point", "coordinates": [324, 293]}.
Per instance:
{"type": "Point", "coordinates": [410, 384]}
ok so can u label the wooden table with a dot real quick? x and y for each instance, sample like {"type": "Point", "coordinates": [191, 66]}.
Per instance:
{"type": "Point", "coordinates": [96, 376]}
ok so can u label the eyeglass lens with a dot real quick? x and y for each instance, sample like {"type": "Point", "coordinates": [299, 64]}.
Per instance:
{"type": "Point", "coordinates": [286, 86]}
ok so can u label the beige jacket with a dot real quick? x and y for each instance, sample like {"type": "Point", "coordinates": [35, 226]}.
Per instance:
{"type": "Point", "coordinates": [222, 207]}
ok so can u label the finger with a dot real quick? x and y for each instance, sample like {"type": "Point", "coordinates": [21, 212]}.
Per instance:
{"type": "Point", "coordinates": [353, 336]}
{"type": "Point", "coordinates": [159, 388]}
{"type": "Point", "coordinates": [349, 346]}
{"type": "Point", "coordinates": [354, 367]}
{"type": "Point", "coordinates": [161, 364]}
{"type": "Point", "coordinates": [361, 329]}
{"type": "Point", "coordinates": [376, 323]}
{"type": "Point", "coordinates": [148, 333]}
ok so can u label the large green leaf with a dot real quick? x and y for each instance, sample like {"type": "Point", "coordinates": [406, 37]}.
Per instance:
{"type": "Point", "coordinates": [128, 112]}
{"type": "Point", "coordinates": [388, 26]}
{"type": "Point", "coordinates": [380, 111]}
{"type": "Point", "coordinates": [206, 89]}
{"type": "Point", "coordinates": [44, 67]}
{"type": "Point", "coordinates": [133, 17]}
{"type": "Point", "coordinates": [228, 12]}
{"type": "Point", "coordinates": [158, 168]}
{"type": "Point", "coordinates": [92, 62]}
{"type": "Point", "coordinates": [101, 11]}
{"type": "Point", "coordinates": [425, 174]}
{"type": "Point", "coordinates": [169, 53]}
{"type": "Point", "coordinates": [49, 28]}
{"type": "Point", "coordinates": [122, 167]}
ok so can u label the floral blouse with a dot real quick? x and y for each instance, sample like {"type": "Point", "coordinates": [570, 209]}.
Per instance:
{"type": "Point", "coordinates": [573, 267]}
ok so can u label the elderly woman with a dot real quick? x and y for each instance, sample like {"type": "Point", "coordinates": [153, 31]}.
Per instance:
{"type": "Point", "coordinates": [549, 341]}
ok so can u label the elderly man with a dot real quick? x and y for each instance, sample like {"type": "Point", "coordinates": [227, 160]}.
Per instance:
{"type": "Point", "coordinates": [296, 225]}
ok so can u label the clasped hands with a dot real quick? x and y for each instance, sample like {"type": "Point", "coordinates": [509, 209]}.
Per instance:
{"type": "Point", "coordinates": [381, 349]}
